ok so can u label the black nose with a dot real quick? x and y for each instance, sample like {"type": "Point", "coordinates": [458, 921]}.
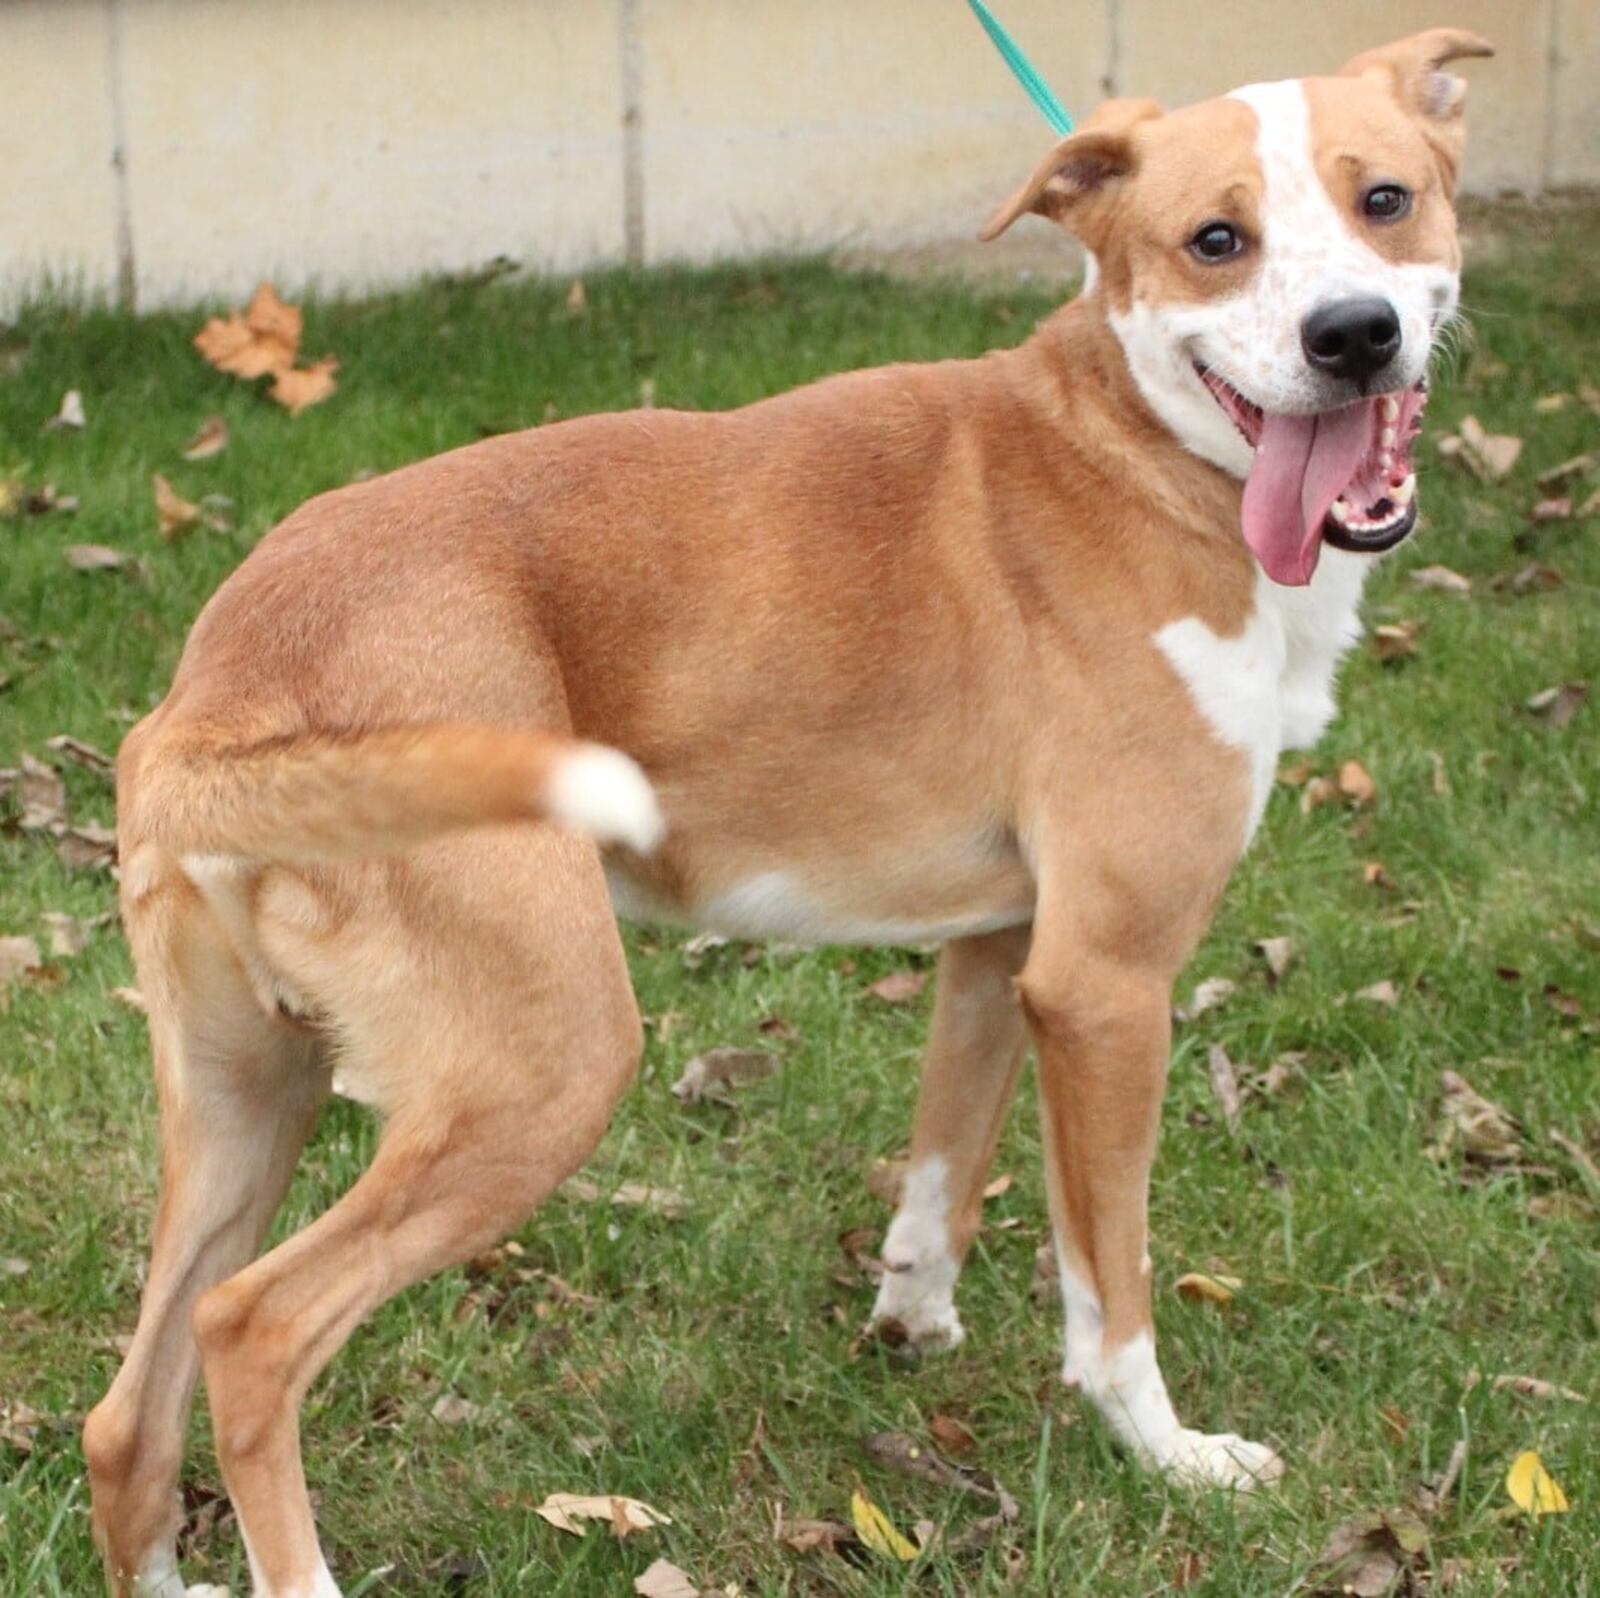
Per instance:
{"type": "Point", "coordinates": [1353, 338]}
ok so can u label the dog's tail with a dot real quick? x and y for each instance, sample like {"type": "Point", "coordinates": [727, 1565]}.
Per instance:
{"type": "Point", "coordinates": [338, 796]}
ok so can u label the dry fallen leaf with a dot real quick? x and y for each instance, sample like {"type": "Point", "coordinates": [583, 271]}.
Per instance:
{"type": "Point", "coordinates": [1578, 466]}
{"type": "Point", "coordinates": [131, 997]}
{"type": "Point", "coordinates": [887, 1180]}
{"type": "Point", "coordinates": [1207, 995]}
{"type": "Point", "coordinates": [18, 957]}
{"type": "Point", "coordinates": [666, 1201]}
{"type": "Point", "coordinates": [877, 1531]}
{"type": "Point", "coordinates": [1316, 793]}
{"type": "Point", "coordinates": [71, 414]}
{"type": "Point", "coordinates": [94, 558]}
{"type": "Point", "coordinates": [577, 298]}
{"type": "Point", "coordinates": [1488, 456]}
{"type": "Point", "coordinates": [174, 514]}
{"type": "Point", "coordinates": [805, 1536]}
{"type": "Point", "coordinates": [209, 440]}
{"type": "Point", "coordinates": [69, 935]}
{"type": "Point", "coordinates": [663, 1579]}
{"type": "Point", "coordinates": [899, 987]}
{"type": "Point", "coordinates": [1278, 953]}
{"type": "Point", "coordinates": [1556, 707]}
{"type": "Point", "coordinates": [453, 1410]}
{"type": "Point", "coordinates": [1396, 640]}
{"type": "Point", "coordinates": [1384, 992]}
{"type": "Point", "coordinates": [626, 1516]}
{"type": "Point", "coordinates": [1481, 1129]}
{"type": "Point", "coordinates": [19, 1424]}
{"type": "Point", "coordinates": [1549, 404]}
{"type": "Point", "coordinates": [1356, 784]}
{"type": "Point", "coordinates": [1532, 1488]}
{"type": "Point", "coordinates": [951, 1435]}
{"type": "Point", "coordinates": [298, 390]}
{"type": "Point", "coordinates": [722, 1068]}
{"type": "Point", "coordinates": [87, 847]}
{"type": "Point", "coordinates": [266, 338]}
{"type": "Point", "coordinates": [1200, 1287]}
{"type": "Point", "coordinates": [1558, 509]}
{"type": "Point", "coordinates": [82, 754]}
{"type": "Point", "coordinates": [1367, 1555]}
{"type": "Point", "coordinates": [1224, 1084]}
{"type": "Point", "coordinates": [42, 795]}
{"type": "Point", "coordinates": [999, 1186]}
{"type": "Point", "coordinates": [1443, 579]}
{"type": "Point", "coordinates": [1537, 1387]}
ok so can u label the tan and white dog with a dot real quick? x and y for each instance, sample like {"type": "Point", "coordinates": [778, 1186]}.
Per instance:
{"type": "Point", "coordinates": [999, 652]}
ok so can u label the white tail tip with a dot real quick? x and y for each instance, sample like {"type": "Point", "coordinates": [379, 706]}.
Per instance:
{"type": "Point", "coordinates": [603, 793]}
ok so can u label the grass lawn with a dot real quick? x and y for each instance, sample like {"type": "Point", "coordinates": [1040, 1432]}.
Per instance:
{"type": "Point", "coordinates": [707, 1364]}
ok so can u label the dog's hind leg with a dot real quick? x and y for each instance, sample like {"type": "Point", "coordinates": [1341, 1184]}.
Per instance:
{"type": "Point", "coordinates": [481, 997]}
{"type": "Point", "coordinates": [239, 1091]}
{"type": "Point", "coordinates": [969, 1075]}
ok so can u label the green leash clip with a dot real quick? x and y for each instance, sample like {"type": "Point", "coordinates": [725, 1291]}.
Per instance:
{"type": "Point", "coordinates": [1022, 69]}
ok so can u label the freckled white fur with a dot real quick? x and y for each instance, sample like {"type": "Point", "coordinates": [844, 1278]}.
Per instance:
{"type": "Point", "coordinates": [602, 792]}
{"type": "Point", "coordinates": [1271, 687]}
{"type": "Point", "coordinates": [919, 1280]}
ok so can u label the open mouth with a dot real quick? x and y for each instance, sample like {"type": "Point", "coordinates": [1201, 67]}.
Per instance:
{"type": "Point", "coordinates": [1342, 477]}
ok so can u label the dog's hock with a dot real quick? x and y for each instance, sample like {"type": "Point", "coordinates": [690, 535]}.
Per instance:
{"type": "Point", "coordinates": [604, 794]}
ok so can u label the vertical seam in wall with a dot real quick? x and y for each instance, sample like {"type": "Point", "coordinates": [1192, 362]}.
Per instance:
{"type": "Point", "coordinates": [1547, 155]}
{"type": "Point", "coordinates": [122, 225]}
{"type": "Point", "coordinates": [1112, 81]}
{"type": "Point", "coordinates": [630, 54]}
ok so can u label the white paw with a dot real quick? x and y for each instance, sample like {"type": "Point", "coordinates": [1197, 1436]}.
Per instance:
{"type": "Point", "coordinates": [930, 1319]}
{"type": "Point", "coordinates": [1220, 1460]}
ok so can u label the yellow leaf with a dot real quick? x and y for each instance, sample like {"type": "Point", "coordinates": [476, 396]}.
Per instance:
{"type": "Point", "coordinates": [876, 1530]}
{"type": "Point", "coordinates": [1199, 1287]}
{"type": "Point", "coordinates": [1532, 1488]}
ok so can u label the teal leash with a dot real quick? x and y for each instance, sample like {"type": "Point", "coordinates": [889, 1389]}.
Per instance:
{"type": "Point", "coordinates": [1022, 69]}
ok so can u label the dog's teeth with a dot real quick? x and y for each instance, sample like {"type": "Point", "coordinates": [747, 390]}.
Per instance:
{"type": "Point", "coordinates": [1340, 512]}
{"type": "Point", "coordinates": [1386, 438]}
{"type": "Point", "coordinates": [1402, 495]}
{"type": "Point", "coordinates": [1388, 407]}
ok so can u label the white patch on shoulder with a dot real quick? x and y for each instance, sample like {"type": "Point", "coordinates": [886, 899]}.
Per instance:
{"type": "Point", "coordinates": [920, 1267]}
{"type": "Point", "coordinates": [1271, 687]}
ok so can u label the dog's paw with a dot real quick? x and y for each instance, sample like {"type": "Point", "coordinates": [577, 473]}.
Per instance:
{"type": "Point", "coordinates": [1221, 1460]}
{"type": "Point", "coordinates": [930, 1326]}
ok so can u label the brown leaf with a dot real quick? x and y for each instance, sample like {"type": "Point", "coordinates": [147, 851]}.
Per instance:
{"type": "Point", "coordinates": [1356, 784]}
{"type": "Point", "coordinates": [626, 1516]}
{"type": "Point", "coordinates": [450, 1409]}
{"type": "Point", "coordinates": [1224, 1084]}
{"type": "Point", "coordinates": [1534, 578]}
{"type": "Point", "coordinates": [902, 1452]}
{"type": "Point", "coordinates": [1375, 874]}
{"type": "Point", "coordinates": [1384, 992]}
{"type": "Point", "coordinates": [718, 1069]}
{"type": "Point", "coordinates": [899, 987]}
{"type": "Point", "coordinates": [1046, 1285]}
{"type": "Point", "coordinates": [1277, 1076]}
{"type": "Point", "coordinates": [1537, 1387]}
{"type": "Point", "coordinates": [1366, 1556]}
{"type": "Point", "coordinates": [1278, 953]}
{"type": "Point", "coordinates": [1482, 1130]}
{"type": "Point", "coordinates": [1488, 456]}
{"type": "Point", "coordinates": [19, 957]}
{"type": "Point", "coordinates": [1000, 1185]}
{"type": "Point", "coordinates": [87, 847]}
{"type": "Point", "coordinates": [94, 558]}
{"type": "Point", "coordinates": [1202, 1287]}
{"type": "Point", "coordinates": [174, 514]}
{"type": "Point", "coordinates": [1443, 579]}
{"type": "Point", "coordinates": [1297, 775]}
{"type": "Point", "coordinates": [82, 754]}
{"type": "Point", "coordinates": [265, 339]}
{"type": "Point", "coordinates": [663, 1579]}
{"type": "Point", "coordinates": [1556, 707]}
{"type": "Point", "coordinates": [209, 441]}
{"type": "Point", "coordinates": [71, 414]}
{"type": "Point", "coordinates": [43, 797]}
{"type": "Point", "coordinates": [1551, 510]}
{"type": "Point", "coordinates": [1396, 640]}
{"type": "Point", "coordinates": [951, 1435]}
{"type": "Point", "coordinates": [1578, 466]}
{"type": "Point", "coordinates": [69, 935]}
{"type": "Point", "coordinates": [19, 1425]}
{"type": "Point", "coordinates": [806, 1536]}
{"type": "Point", "coordinates": [664, 1201]}
{"type": "Point", "coordinates": [1207, 995]}
{"type": "Point", "coordinates": [1396, 1419]}
{"type": "Point", "coordinates": [300, 389]}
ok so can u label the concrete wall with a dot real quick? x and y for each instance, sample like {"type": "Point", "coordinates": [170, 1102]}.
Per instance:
{"type": "Point", "coordinates": [184, 147]}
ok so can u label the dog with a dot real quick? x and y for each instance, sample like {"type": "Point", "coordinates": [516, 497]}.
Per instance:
{"type": "Point", "coordinates": [999, 653]}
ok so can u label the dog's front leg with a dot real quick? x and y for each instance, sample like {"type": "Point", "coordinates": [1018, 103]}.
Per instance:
{"type": "Point", "coordinates": [969, 1075]}
{"type": "Point", "coordinates": [1101, 1017]}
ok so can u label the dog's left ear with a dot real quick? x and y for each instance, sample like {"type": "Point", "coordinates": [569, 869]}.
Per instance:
{"type": "Point", "coordinates": [1412, 70]}
{"type": "Point", "coordinates": [1079, 171]}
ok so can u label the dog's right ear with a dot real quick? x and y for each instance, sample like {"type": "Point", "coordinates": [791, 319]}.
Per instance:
{"type": "Point", "coordinates": [1079, 169]}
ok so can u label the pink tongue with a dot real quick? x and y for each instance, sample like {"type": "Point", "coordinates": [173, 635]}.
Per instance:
{"type": "Point", "coordinates": [1302, 464]}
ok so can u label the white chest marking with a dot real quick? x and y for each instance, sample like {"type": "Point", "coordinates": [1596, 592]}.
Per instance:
{"type": "Point", "coordinates": [1271, 687]}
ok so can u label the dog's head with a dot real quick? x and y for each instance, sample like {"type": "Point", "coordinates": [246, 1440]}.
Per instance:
{"type": "Point", "coordinates": [1278, 265]}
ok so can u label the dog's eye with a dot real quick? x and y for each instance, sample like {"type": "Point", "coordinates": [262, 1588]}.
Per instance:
{"type": "Point", "coordinates": [1386, 202]}
{"type": "Point", "coordinates": [1216, 241]}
